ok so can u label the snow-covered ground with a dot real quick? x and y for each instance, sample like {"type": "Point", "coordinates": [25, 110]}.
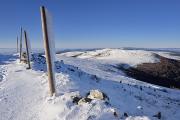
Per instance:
{"type": "Point", "coordinates": [24, 93]}
{"type": "Point", "coordinates": [168, 55]}
{"type": "Point", "coordinates": [130, 57]}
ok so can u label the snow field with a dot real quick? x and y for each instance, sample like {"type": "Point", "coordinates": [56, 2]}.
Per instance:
{"type": "Point", "coordinates": [24, 94]}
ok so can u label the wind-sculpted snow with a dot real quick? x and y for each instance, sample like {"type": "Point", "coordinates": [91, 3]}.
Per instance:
{"type": "Point", "coordinates": [24, 95]}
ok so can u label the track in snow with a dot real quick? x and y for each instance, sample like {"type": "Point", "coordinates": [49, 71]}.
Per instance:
{"type": "Point", "coordinates": [20, 94]}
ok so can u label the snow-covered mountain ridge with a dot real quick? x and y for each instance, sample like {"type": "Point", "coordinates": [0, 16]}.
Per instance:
{"type": "Point", "coordinates": [24, 93]}
{"type": "Point", "coordinates": [131, 57]}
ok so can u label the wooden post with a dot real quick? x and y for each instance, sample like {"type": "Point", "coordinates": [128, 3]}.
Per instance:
{"type": "Point", "coordinates": [17, 45]}
{"type": "Point", "coordinates": [20, 54]}
{"type": "Point", "coordinates": [47, 51]}
{"type": "Point", "coordinates": [27, 50]}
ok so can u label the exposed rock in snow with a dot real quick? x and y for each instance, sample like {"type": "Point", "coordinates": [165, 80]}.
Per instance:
{"type": "Point", "coordinates": [76, 99]}
{"type": "Point", "coordinates": [158, 115]}
{"type": "Point", "coordinates": [125, 114]}
{"type": "Point", "coordinates": [84, 100]}
{"type": "Point", "coordinates": [96, 94]}
{"type": "Point", "coordinates": [92, 95]}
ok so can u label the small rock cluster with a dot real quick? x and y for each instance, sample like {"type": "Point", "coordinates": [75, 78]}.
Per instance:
{"type": "Point", "coordinates": [92, 95]}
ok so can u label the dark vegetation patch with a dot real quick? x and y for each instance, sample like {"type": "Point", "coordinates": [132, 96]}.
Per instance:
{"type": "Point", "coordinates": [164, 73]}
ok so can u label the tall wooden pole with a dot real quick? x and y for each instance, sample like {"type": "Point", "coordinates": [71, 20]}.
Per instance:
{"type": "Point", "coordinates": [47, 51]}
{"type": "Point", "coordinates": [20, 54]}
{"type": "Point", "coordinates": [27, 50]}
{"type": "Point", "coordinates": [17, 45]}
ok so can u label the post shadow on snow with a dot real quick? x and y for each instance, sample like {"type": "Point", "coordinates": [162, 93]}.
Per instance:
{"type": "Point", "coordinates": [7, 58]}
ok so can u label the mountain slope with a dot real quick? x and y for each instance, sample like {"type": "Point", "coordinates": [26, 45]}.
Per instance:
{"type": "Point", "coordinates": [24, 93]}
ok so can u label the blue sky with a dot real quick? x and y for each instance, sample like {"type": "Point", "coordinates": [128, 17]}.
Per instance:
{"type": "Point", "coordinates": [94, 23]}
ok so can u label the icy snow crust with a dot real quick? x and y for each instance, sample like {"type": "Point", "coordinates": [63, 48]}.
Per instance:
{"type": "Point", "coordinates": [24, 93]}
